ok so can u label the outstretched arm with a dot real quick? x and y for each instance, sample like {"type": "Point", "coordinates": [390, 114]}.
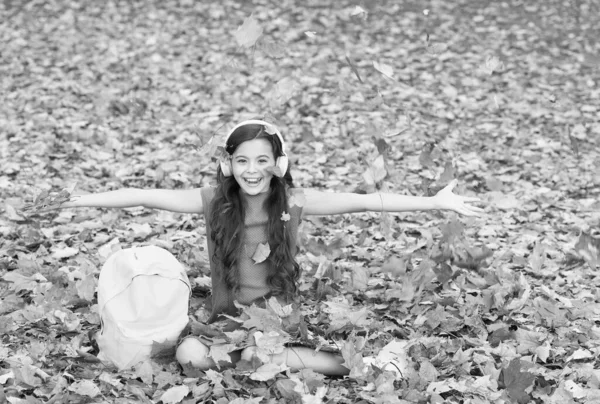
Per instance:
{"type": "Point", "coordinates": [183, 201]}
{"type": "Point", "coordinates": [330, 203]}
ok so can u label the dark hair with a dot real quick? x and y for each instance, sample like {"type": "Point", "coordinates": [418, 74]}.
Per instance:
{"type": "Point", "coordinates": [228, 235]}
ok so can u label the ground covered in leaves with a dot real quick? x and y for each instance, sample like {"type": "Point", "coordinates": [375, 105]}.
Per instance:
{"type": "Point", "coordinates": [391, 95]}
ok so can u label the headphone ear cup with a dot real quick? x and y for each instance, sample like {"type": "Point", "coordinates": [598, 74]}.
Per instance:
{"type": "Point", "coordinates": [282, 163]}
{"type": "Point", "coordinates": [226, 168]}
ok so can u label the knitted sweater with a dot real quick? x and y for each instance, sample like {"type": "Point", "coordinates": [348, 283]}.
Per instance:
{"type": "Point", "coordinates": [253, 276]}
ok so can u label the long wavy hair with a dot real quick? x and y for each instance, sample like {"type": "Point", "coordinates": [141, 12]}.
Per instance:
{"type": "Point", "coordinates": [227, 220]}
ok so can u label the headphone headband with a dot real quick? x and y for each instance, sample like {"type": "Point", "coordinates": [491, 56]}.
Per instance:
{"type": "Point", "coordinates": [258, 122]}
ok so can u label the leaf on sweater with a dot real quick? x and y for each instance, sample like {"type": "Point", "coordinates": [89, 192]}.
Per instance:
{"type": "Point", "coordinates": [262, 253]}
{"type": "Point", "coordinates": [285, 217]}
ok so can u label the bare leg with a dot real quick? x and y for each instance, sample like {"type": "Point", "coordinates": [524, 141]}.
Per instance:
{"type": "Point", "coordinates": [326, 363]}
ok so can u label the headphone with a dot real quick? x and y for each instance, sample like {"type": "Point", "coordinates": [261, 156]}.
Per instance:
{"type": "Point", "coordinates": [281, 162]}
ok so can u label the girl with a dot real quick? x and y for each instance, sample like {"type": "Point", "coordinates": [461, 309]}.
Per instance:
{"type": "Point", "coordinates": [252, 218]}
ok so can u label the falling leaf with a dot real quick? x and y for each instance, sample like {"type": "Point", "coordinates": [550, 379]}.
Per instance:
{"type": "Point", "coordinates": [282, 91]}
{"type": "Point", "coordinates": [425, 156]}
{"type": "Point", "coordinates": [285, 217]}
{"type": "Point", "coordinates": [175, 394]}
{"type": "Point", "coordinates": [144, 371]}
{"type": "Point", "coordinates": [536, 259]}
{"type": "Point", "coordinates": [492, 64]}
{"type": "Point", "coordinates": [376, 171]}
{"type": "Point", "coordinates": [276, 171]}
{"type": "Point", "coordinates": [262, 253]}
{"type": "Point", "coordinates": [220, 352]}
{"type": "Point", "coordinates": [449, 173]}
{"type": "Point", "coordinates": [270, 130]}
{"type": "Point", "coordinates": [248, 33]}
{"type": "Point", "coordinates": [384, 69]}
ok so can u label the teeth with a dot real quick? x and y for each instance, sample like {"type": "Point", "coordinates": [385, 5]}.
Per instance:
{"type": "Point", "coordinates": [252, 181]}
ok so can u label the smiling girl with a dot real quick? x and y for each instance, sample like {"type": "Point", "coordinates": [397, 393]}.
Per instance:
{"type": "Point", "coordinates": [252, 217]}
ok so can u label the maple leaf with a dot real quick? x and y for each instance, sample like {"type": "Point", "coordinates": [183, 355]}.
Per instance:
{"type": "Point", "coordinates": [516, 381]}
{"type": "Point", "coordinates": [261, 319]}
{"type": "Point", "coordinates": [425, 156]}
{"type": "Point", "coordinates": [144, 371]}
{"type": "Point", "coordinates": [248, 33]}
{"type": "Point", "coordinates": [175, 394]}
{"type": "Point", "coordinates": [284, 90]}
{"type": "Point", "coordinates": [270, 343]}
{"type": "Point", "coordinates": [448, 174]}
{"type": "Point", "coordinates": [262, 253]}
{"type": "Point", "coordinates": [281, 311]}
{"type": "Point", "coordinates": [353, 360]}
{"type": "Point", "coordinates": [165, 378]}
{"type": "Point", "coordinates": [220, 352]}
{"type": "Point", "coordinates": [287, 388]}
{"type": "Point", "coordinates": [376, 171]}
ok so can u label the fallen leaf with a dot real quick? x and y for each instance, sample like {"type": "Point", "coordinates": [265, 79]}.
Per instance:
{"type": "Point", "coordinates": [85, 388]}
{"type": "Point", "coordinates": [175, 394]}
{"type": "Point", "coordinates": [248, 33]}
{"type": "Point", "coordinates": [516, 381]}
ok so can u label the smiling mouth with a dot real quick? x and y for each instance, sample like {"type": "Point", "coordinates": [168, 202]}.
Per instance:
{"type": "Point", "coordinates": [252, 181]}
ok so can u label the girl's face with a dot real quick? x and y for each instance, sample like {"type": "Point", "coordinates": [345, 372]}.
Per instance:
{"type": "Point", "coordinates": [250, 162]}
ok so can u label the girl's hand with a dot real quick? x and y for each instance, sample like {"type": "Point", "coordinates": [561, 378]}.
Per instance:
{"type": "Point", "coordinates": [447, 200]}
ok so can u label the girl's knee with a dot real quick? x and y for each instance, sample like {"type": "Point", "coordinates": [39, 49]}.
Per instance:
{"type": "Point", "coordinates": [195, 353]}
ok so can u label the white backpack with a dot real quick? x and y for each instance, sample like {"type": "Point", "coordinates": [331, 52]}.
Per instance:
{"type": "Point", "coordinates": [143, 297]}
